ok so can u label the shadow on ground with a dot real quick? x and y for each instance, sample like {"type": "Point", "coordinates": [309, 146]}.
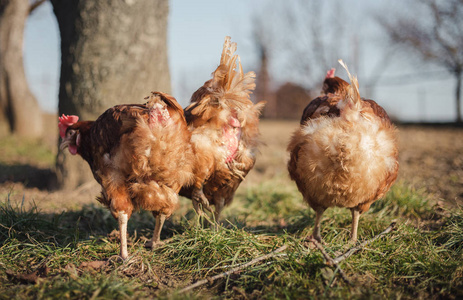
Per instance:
{"type": "Point", "coordinates": [30, 176]}
{"type": "Point", "coordinates": [70, 226]}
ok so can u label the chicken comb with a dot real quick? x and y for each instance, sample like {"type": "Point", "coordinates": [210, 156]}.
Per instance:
{"type": "Point", "coordinates": [330, 73]}
{"type": "Point", "coordinates": [64, 122]}
{"type": "Point", "coordinates": [355, 95]}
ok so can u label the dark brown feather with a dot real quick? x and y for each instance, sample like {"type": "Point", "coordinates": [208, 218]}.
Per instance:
{"type": "Point", "coordinates": [321, 106]}
{"type": "Point", "coordinates": [376, 109]}
{"type": "Point", "coordinates": [334, 85]}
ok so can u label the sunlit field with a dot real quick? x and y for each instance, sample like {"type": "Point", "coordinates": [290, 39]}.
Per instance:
{"type": "Point", "coordinates": [63, 245]}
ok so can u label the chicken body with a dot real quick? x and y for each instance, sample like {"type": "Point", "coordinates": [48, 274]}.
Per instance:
{"type": "Point", "coordinates": [224, 126]}
{"type": "Point", "coordinates": [140, 154]}
{"type": "Point", "coordinates": [345, 152]}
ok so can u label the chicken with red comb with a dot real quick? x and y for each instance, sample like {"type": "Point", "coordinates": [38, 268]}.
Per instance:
{"type": "Point", "coordinates": [64, 122]}
{"type": "Point", "coordinates": [330, 73]}
{"type": "Point", "coordinates": [344, 153]}
{"type": "Point", "coordinates": [140, 155]}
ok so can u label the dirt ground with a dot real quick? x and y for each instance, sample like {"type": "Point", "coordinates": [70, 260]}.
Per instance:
{"type": "Point", "coordinates": [431, 158]}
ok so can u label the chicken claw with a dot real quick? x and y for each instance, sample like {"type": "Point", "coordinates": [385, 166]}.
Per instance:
{"type": "Point", "coordinates": [153, 245]}
{"type": "Point", "coordinates": [200, 201]}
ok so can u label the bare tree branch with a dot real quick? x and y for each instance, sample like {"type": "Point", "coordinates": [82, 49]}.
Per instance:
{"type": "Point", "coordinates": [308, 35]}
{"type": "Point", "coordinates": [34, 5]}
{"type": "Point", "coordinates": [335, 262]}
{"type": "Point", "coordinates": [352, 250]}
{"type": "Point", "coordinates": [436, 35]}
{"type": "Point", "coordinates": [234, 270]}
{"type": "Point", "coordinates": [329, 260]}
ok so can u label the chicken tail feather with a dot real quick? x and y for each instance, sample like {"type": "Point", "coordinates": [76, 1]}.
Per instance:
{"type": "Point", "coordinates": [229, 82]}
{"type": "Point", "coordinates": [353, 94]}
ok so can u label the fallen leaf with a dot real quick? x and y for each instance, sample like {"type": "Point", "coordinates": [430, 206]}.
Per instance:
{"type": "Point", "coordinates": [29, 278]}
{"type": "Point", "coordinates": [93, 265]}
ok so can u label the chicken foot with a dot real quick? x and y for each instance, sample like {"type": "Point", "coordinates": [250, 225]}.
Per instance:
{"type": "Point", "coordinates": [156, 239]}
{"type": "Point", "coordinates": [218, 206]}
{"type": "Point", "coordinates": [200, 202]}
{"type": "Point", "coordinates": [316, 229]}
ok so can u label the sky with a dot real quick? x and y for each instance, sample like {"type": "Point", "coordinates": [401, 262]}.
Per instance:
{"type": "Point", "coordinates": [196, 33]}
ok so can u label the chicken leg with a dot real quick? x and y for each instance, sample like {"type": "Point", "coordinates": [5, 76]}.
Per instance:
{"type": "Point", "coordinates": [156, 239]}
{"type": "Point", "coordinates": [123, 219]}
{"type": "Point", "coordinates": [219, 204]}
{"type": "Point", "coordinates": [316, 229]}
{"type": "Point", "coordinates": [355, 224]}
{"type": "Point", "coordinates": [198, 198]}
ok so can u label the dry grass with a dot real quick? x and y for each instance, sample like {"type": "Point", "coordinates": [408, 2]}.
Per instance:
{"type": "Point", "coordinates": [430, 158]}
{"type": "Point", "coordinates": [66, 248]}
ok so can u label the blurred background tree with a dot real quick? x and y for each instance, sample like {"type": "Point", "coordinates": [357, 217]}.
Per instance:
{"type": "Point", "coordinates": [111, 55]}
{"type": "Point", "coordinates": [306, 39]}
{"type": "Point", "coordinates": [20, 112]}
{"type": "Point", "coordinates": [435, 34]}
{"type": "Point", "coordinates": [305, 48]}
{"type": "Point", "coordinates": [112, 52]}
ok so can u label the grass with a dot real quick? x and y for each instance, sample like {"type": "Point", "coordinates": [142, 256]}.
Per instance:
{"type": "Point", "coordinates": [27, 161]}
{"type": "Point", "coordinates": [422, 258]}
{"type": "Point", "coordinates": [74, 254]}
{"type": "Point", "coordinates": [18, 150]}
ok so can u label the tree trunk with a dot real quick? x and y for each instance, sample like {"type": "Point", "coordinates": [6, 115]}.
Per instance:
{"type": "Point", "coordinates": [19, 109]}
{"type": "Point", "coordinates": [113, 52]}
{"type": "Point", "coordinates": [458, 97]}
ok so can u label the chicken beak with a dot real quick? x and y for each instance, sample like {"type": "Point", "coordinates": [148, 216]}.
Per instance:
{"type": "Point", "coordinates": [64, 144]}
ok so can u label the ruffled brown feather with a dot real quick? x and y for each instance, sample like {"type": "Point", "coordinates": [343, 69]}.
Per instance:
{"type": "Point", "coordinates": [345, 152]}
{"type": "Point", "coordinates": [223, 100]}
{"type": "Point", "coordinates": [138, 165]}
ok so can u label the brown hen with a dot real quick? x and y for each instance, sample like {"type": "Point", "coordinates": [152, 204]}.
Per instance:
{"type": "Point", "coordinates": [139, 154]}
{"type": "Point", "coordinates": [344, 153]}
{"type": "Point", "coordinates": [224, 126]}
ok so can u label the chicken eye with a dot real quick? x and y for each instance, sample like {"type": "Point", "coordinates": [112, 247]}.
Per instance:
{"type": "Point", "coordinates": [70, 133]}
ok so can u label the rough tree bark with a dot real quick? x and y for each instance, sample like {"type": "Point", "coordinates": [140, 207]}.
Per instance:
{"type": "Point", "coordinates": [113, 52]}
{"type": "Point", "coordinates": [19, 109]}
{"type": "Point", "coordinates": [458, 96]}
